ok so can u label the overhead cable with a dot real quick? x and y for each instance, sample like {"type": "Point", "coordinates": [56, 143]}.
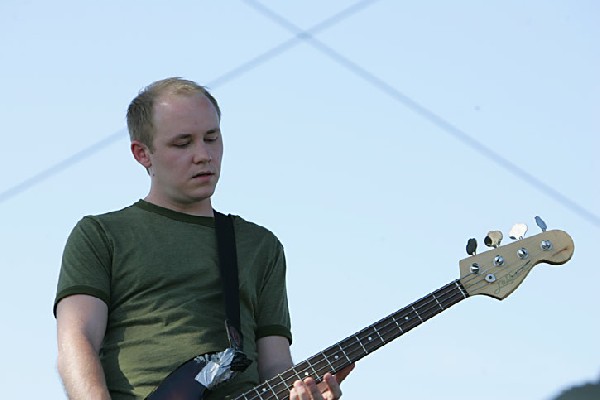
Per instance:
{"type": "Point", "coordinates": [225, 78]}
{"type": "Point", "coordinates": [437, 120]}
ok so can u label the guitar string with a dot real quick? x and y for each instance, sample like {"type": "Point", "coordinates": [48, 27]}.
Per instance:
{"type": "Point", "coordinates": [448, 295]}
{"type": "Point", "coordinates": [391, 322]}
{"type": "Point", "coordinates": [352, 348]}
{"type": "Point", "coordinates": [391, 326]}
{"type": "Point", "coordinates": [466, 281]}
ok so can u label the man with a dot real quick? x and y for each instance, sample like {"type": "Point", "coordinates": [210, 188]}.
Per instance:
{"type": "Point", "coordinates": [139, 290]}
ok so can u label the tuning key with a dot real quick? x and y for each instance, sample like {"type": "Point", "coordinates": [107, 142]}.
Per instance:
{"type": "Point", "coordinates": [471, 246]}
{"type": "Point", "coordinates": [493, 239]}
{"type": "Point", "coordinates": [540, 222]}
{"type": "Point", "coordinates": [518, 231]}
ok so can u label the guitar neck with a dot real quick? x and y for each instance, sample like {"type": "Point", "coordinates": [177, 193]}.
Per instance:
{"type": "Point", "coordinates": [362, 343]}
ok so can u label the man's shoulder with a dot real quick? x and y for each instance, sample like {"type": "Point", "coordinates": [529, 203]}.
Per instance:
{"type": "Point", "coordinates": [124, 211]}
{"type": "Point", "coordinates": [253, 229]}
{"type": "Point", "coordinates": [123, 215]}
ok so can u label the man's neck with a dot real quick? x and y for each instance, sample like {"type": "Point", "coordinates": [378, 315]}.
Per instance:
{"type": "Point", "coordinates": [201, 208]}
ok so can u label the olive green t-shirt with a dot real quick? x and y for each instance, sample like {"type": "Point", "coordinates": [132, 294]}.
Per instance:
{"type": "Point", "coordinates": [157, 271]}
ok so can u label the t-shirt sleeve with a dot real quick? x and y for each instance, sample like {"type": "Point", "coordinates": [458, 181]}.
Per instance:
{"type": "Point", "coordinates": [273, 318]}
{"type": "Point", "coordinates": [86, 263]}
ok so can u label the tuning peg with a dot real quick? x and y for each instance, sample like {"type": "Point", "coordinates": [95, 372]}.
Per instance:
{"type": "Point", "coordinates": [493, 239]}
{"type": "Point", "coordinates": [540, 222]}
{"type": "Point", "coordinates": [471, 246]}
{"type": "Point", "coordinates": [518, 231]}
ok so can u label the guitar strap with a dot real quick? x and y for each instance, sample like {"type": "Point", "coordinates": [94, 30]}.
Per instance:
{"type": "Point", "coordinates": [231, 287]}
{"type": "Point", "coordinates": [197, 375]}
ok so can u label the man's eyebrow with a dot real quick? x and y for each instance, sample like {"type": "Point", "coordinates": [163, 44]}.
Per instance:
{"type": "Point", "coordinates": [182, 136]}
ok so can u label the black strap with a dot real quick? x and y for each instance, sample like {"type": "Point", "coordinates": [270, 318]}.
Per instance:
{"type": "Point", "coordinates": [229, 277]}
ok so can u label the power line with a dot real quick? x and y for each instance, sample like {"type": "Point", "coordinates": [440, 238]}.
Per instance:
{"type": "Point", "coordinates": [293, 41]}
{"type": "Point", "coordinates": [227, 77]}
{"type": "Point", "coordinates": [428, 114]}
{"type": "Point", "coordinates": [62, 165]}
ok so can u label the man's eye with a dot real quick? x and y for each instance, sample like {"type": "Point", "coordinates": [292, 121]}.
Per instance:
{"type": "Point", "coordinates": [181, 144]}
{"type": "Point", "coordinates": [210, 138]}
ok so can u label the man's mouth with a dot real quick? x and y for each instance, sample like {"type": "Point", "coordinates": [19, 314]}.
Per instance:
{"type": "Point", "coordinates": [202, 174]}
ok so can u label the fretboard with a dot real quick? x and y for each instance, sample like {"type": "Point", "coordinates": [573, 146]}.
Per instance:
{"type": "Point", "coordinates": [359, 345]}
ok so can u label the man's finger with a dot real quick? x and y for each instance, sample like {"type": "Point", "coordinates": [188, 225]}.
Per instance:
{"type": "Point", "coordinates": [300, 391]}
{"type": "Point", "coordinates": [343, 373]}
{"type": "Point", "coordinates": [333, 387]}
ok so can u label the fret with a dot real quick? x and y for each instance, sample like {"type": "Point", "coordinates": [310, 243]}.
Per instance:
{"type": "Point", "coordinates": [426, 310]}
{"type": "Point", "coordinates": [462, 290]}
{"type": "Point", "coordinates": [305, 373]}
{"type": "Point", "coordinates": [364, 341]}
{"type": "Point", "coordinates": [408, 323]}
{"type": "Point", "coordinates": [296, 374]}
{"type": "Point", "coordinates": [288, 376]}
{"type": "Point", "coordinates": [283, 381]}
{"type": "Point", "coordinates": [438, 303]}
{"type": "Point", "coordinates": [257, 393]}
{"type": "Point", "coordinates": [385, 331]}
{"type": "Point", "coordinates": [264, 389]}
{"type": "Point", "coordinates": [269, 388]}
{"type": "Point", "coordinates": [379, 336]}
{"type": "Point", "coordinates": [331, 367]}
{"type": "Point", "coordinates": [367, 338]}
{"type": "Point", "coordinates": [345, 355]}
{"type": "Point", "coordinates": [417, 313]}
{"type": "Point", "coordinates": [261, 391]}
{"type": "Point", "coordinates": [361, 345]}
{"type": "Point", "coordinates": [380, 328]}
{"type": "Point", "coordinates": [351, 347]}
{"type": "Point", "coordinates": [323, 363]}
{"type": "Point", "coordinates": [391, 330]}
{"type": "Point", "coordinates": [332, 354]}
{"type": "Point", "coordinates": [279, 386]}
{"type": "Point", "coordinates": [315, 373]}
{"type": "Point", "coordinates": [320, 365]}
{"type": "Point", "coordinates": [398, 325]}
{"type": "Point", "coordinates": [368, 343]}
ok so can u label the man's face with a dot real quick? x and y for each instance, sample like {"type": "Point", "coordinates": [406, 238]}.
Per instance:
{"type": "Point", "coordinates": [185, 164]}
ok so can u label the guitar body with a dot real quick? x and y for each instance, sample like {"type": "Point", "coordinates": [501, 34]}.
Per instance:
{"type": "Point", "coordinates": [181, 384]}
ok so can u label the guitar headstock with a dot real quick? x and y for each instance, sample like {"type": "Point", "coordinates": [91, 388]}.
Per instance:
{"type": "Point", "coordinates": [498, 272]}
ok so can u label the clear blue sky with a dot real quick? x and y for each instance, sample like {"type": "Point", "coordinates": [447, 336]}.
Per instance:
{"type": "Point", "coordinates": [373, 149]}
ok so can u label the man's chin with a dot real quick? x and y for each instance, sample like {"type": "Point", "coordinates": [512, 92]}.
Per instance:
{"type": "Point", "coordinates": [201, 196]}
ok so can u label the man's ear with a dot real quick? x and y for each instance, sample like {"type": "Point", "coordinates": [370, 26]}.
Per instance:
{"type": "Point", "coordinates": [141, 153]}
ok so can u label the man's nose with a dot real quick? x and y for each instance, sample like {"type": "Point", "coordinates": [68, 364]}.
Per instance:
{"type": "Point", "coordinates": [201, 154]}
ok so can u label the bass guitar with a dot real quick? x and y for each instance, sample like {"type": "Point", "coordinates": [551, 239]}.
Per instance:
{"type": "Point", "coordinates": [495, 273]}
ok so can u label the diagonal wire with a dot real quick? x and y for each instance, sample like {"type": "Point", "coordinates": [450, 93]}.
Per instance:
{"type": "Point", "coordinates": [293, 41]}
{"type": "Point", "coordinates": [427, 114]}
{"type": "Point", "coordinates": [61, 165]}
{"type": "Point", "coordinates": [223, 79]}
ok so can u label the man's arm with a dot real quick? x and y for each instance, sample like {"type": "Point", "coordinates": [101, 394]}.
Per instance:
{"type": "Point", "coordinates": [274, 357]}
{"type": "Point", "coordinates": [81, 323]}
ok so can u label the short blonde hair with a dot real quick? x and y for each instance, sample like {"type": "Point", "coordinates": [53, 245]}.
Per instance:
{"type": "Point", "coordinates": [140, 112]}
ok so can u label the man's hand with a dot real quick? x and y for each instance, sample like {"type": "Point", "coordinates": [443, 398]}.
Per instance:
{"type": "Point", "coordinates": [274, 357]}
{"type": "Point", "coordinates": [328, 389]}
